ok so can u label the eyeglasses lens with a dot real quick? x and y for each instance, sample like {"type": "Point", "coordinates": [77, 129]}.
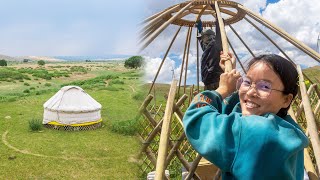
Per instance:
{"type": "Point", "coordinates": [263, 88]}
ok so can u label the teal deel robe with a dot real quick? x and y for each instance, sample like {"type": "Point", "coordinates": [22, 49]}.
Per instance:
{"type": "Point", "coordinates": [244, 147]}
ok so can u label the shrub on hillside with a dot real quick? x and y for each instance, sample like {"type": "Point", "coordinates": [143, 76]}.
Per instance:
{"type": "Point", "coordinates": [97, 82]}
{"type": "Point", "coordinates": [139, 95]}
{"type": "Point", "coordinates": [47, 84]}
{"type": "Point", "coordinates": [26, 84]}
{"type": "Point", "coordinates": [41, 63]}
{"type": "Point", "coordinates": [3, 62]}
{"type": "Point", "coordinates": [11, 73]}
{"type": "Point", "coordinates": [115, 81]}
{"type": "Point", "coordinates": [26, 91]}
{"type": "Point", "coordinates": [42, 73]}
{"type": "Point", "coordinates": [134, 62]}
{"type": "Point", "coordinates": [78, 69]}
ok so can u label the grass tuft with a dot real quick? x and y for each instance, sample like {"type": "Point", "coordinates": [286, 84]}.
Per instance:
{"type": "Point", "coordinates": [35, 124]}
{"type": "Point", "coordinates": [127, 127]}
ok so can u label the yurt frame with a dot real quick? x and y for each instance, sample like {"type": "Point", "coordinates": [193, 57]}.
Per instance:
{"type": "Point", "coordinates": [169, 147]}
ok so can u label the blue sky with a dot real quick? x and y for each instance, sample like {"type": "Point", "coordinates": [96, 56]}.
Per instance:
{"type": "Point", "coordinates": [103, 27]}
{"type": "Point", "coordinates": [74, 27]}
{"type": "Point", "coordinates": [69, 27]}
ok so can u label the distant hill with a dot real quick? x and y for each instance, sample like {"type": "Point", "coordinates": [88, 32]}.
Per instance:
{"type": "Point", "coordinates": [30, 58]}
{"type": "Point", "coordinates": [45, 58]}
{"type": "Point", "coordinates": [313, 73]}
{"type": "Point", "coordinates": [9, 58]}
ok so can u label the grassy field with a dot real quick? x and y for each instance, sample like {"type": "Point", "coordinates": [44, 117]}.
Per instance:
{"type": "Point", "coordinates": [109, 152]}
{"type": "Point", "coordinates": [52, 154]}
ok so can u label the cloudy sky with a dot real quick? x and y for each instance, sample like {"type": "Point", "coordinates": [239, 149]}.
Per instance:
{"type": "Point", "coordinates": [69, 27]}
{"type": "Point", "coordinates": [301, 19]}
{"type": "Point", "coordinates": [101, 27]}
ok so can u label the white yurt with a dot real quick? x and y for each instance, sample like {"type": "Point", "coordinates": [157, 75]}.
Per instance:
{"type": "Point", "coordinates": [71, 108]}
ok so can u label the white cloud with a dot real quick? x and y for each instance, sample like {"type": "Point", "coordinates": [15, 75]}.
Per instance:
{"type": "Point", "coordinates": [168, 69]}
{"type": "Point", "coordinates": [152, 66]}
{"type": "Point", "coordinates": [301, 19]}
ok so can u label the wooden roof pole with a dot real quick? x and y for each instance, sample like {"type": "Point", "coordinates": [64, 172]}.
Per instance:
{"type": "Point", "coordinates": [276, 45]}
{"type": "Point", "coordinates": [235, 32]}
{"type": "Point", "coordinates": [165, 130]}
{"type": "Point", "coordinates": [225, 48]}
{"type": "Point", "coordinates": [166, 24]}
{"type": "Point", "coordinates": [312, 127]}
{"type": "Point", "coordinates": [285, 35]}
{"type": "Point", "coordinates": [146, 33]}
{"type": "Point", "coordinates": [163, 59]}
{"type": "Point", "coordinates": [265, 35]}
{"type": "Point", "coordinates": [182, 64]}
{"type": "Point", "coordinates": [147, 28]}
{"type": "Point", "coordinates": [187, 59]}
{"type": "Point", "coordinates": [198, 18]}
{"type": "Point", "coordinates": [237, 58]}
{"type": "Point", "coordinates": [151, 20]}
{"type": "Point", "coordinates": [198, 78]}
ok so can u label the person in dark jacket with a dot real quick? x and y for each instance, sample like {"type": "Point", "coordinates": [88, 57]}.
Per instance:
{"type": "Point", "coordinates": [210, 43]}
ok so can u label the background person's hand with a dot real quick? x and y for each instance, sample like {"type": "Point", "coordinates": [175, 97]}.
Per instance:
{"type": "Point", "coordinates": [227, 57]}
{"type": "Point", "coordinates": [198, 25]}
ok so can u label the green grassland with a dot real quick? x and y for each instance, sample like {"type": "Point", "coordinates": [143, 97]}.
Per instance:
{"type": "Point", "coordinates": [109, 152]}
{"type": "Point", "coordinates": [52, 154]}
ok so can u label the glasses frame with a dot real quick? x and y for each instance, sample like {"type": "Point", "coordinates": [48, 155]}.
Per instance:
{"type": "Point", "coordinates": [255, 87]}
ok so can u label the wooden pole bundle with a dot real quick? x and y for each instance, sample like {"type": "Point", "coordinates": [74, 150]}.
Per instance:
{"type": "Point", "coordinates": [151, 20]}
{"type": "Point", "coordinates": [163, 26]}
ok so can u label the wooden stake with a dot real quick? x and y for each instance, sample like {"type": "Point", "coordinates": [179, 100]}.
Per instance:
{"type": "Point", "coordinates": [165, 130]}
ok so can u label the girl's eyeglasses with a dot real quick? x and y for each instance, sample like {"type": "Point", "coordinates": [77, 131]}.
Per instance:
{"type": "Point", "coordinates": [263, 88]}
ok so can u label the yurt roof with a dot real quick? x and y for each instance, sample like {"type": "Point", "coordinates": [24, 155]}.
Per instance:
{"type": "Point", "coordinates": [72, 99]}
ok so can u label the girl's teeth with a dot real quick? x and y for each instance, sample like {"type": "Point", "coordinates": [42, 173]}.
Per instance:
{"type": "Point", "coordinates": [251, 105]}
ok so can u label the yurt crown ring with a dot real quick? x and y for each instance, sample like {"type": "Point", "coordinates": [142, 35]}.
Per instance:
{"type": "Point", "coordinates": [202, 7]}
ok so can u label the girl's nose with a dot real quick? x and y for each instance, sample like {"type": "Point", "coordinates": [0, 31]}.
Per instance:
{"type": "Point", "coordinates": [252, 91]}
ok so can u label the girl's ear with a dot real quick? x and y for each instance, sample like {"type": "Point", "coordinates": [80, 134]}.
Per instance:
{"type": "Point", "coordinates": [287, 100]}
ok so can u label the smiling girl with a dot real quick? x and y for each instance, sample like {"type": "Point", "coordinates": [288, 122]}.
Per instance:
{"type": "Point", "coordinates": [247, 133]}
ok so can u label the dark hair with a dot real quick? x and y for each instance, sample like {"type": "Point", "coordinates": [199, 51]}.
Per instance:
{"type": "Point", "coordinates": [285, 70]}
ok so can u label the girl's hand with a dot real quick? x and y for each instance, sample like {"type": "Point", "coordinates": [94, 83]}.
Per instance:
{"type": "Point", "coordinates": [227, 57]}
{"type": "Point", "coordinates": [228, 83]}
